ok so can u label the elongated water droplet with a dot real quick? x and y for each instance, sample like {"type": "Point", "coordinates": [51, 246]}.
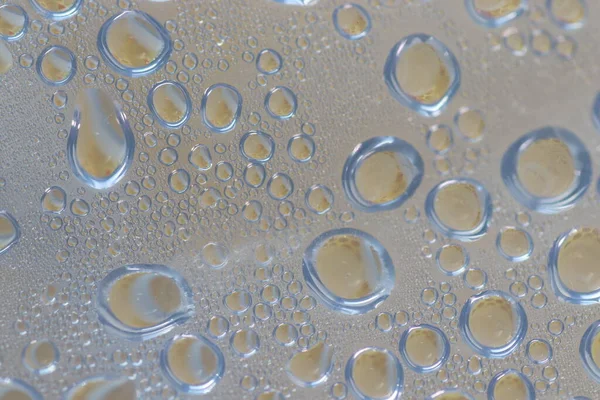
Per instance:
{"type": "Point", "coordinates": [171, 103]}
{"type": "Point", "coordinates": [100, 146]}
{"type": "Point", "coordinates": [13, 22]}
{"type": "Point", "coordinates": [57, 9]}
{"type": "Point", "coordinates": [311, 367]}
{"type": "Point", "coordinates": [221, 107]}
{"type": "Point", "coordinates": [9, 231]}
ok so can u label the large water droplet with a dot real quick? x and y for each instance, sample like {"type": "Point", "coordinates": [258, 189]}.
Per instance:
{"type": "Point", "coordinates": [351, 21]}
{"type": "Point", "coordinates": [424, 348]}
{"type": "Point", "coordinates": [589, 350]}
{"type": "Point", "coordinates": [375, 373]}
{"type": "Point", "coordinates": [510, 385]}
{"type": "Point", "coordinates": [171, 104]}
{"type": "Point", "coordinates": [105, 387]}
{"type": "Point", "coordinates": [494, 13]}
{"type": "Point", "coordinates": [311, 367]}
{"type": "Point", "coordinates": [40, 357]}
{"type": "Point", "coordinates": [9, 231]}
{"type": "Point", "coordinates": [133, 43]}
{"type": "Point", "coordinates": [16, 389]}
{"type": "Point", "coordinates": [56, 65]}
{"type": "Point", "coordinates": [57, 9]}
{"type": "Point", "coordinates": [143, 301]}
{"type": "Point", "coordinates": [13, 22]}
{"type": "Point", "coordinates": [100, 146]}
{"type": "Point", "coordinates": [221, 107]}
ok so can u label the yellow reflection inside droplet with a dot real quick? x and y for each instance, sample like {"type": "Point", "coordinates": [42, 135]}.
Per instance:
{"type": "Point", "coordinates": [569, 11]}
{"type": "Point", "coordinates": [311, 365]}
{"type": "Point", "coordinates": [133, 41]}
{"type": "Point", "coordinates": [492, 321]}
{"type": "Point", "coordinates": [458, 207]}
{"type": "Point", "coordinates": [423, 347]}
{"type": "Point", "coordinates": [374, 374]}
{"type": "Point", "coordinates": [577, 263]}
{"type": "Point", "coordinates": [351, 20]}
{"type": "Point", "coordinates": [56, 5]}
{"type": "Point", "coordinates": [510, 387]}
{"type": "Point", "coordinates": [496, 8]}
{"type": "Point", "coordinates": [380, 178]}
{"type": "Point", "coordinates": [191, 361]}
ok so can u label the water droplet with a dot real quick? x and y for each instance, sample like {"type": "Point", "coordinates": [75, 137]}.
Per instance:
{"type": "Point", "coordinates": [351, 21]}
{"type": "Point", "coordinates": [6, 59]}
{"type": "Point", "coordinates": [268, 62]}
{"type": "Point", "coordinates": [101, 145]}
{"type": "Point", "coordinates": [192, 364]}
{"type": "Point", "coordinates": [223, 171]}
{"type": "Point", "coordinates": [301, 148]}
{"type": "Point", "coordinates": [311, 367]}
{"type": "Point", "coordinates": [54, 200]}
{"type": "Point", "coordinates": [170, 103]}
{"type": "Point", "coordinates": [510, 384]}
{"type": "Point", "coordinates": [422, 74]}
{"type": "Point", "coordinates": [200, 157]}
{"type": "Point", "coordinates": [539, 351]}
{"type": "Point", "coordinates": [13, 22]}
{"type": "Point", "coordinates": [541, 42]}
{"type": "Point", "coordinates": [215, 255]}
{"type": "Point", "coordinates": [514, 41]}
{"type": "Point", "coordinates": [147, 48]}
{"type": "Point", "coordinates": [221, 107]}
{"type": "Point", "coordinates": [514, 244]}
{"type": "Point", "coordinates": [56, 65]}
{"type": "Point", "coordinates": [495, 13]}
{"type": "Point", "coordinates": [280, 186]}
{"type": "Point", "coordinates": [566, 47]}
{"type": "Point", "coordinates": [10, 233]}
{"type": "Point", "coordinates": [179, 180]}
{"type": "Point", "coordinates": [319, 199]}
{"type": "Point", "coordinates": [105, 387]}
{"type": "Point", "coordinates": [254, 175]}
{"type": "Point", "coordinates": [374, 373]}
{"type": "Point", "coordinates": [567, 14]}
{"type": "Point", "coordinates": [450, 394]}
{"type": "Point", "coordinates": [493, 323]}
{"type": "Point", "coordinates": [349, 270]}
{"type": "Point", "coordinates": [440, 139]}
{"type": "Point", "coordinates": [217, 327]}
{"type": "Point", "coordinates": [547, 170]}
{"type": "Point", "coordinates": [238, 301]}
{"type": "Point", "coordinates": [381, 174]}
{"type": "Point", "coordinates": [285, 334]}
{"type": "Point", "coordinates": [452, 259]}
{"type": "Point", "coordinates": [470, 124]}
{"type": "Point", "coordinates": [16, 389]}
{"type": "Point", "coordinates": [140, 302]}
{"type": "Point", "coordinates": [459, 208]}
{"type": "Point", "coordinates": [245, 342]}
{"type": "Point", "coordinates": [257, 146]}
{"type": "Point", "coordinates": [424, 348]}
{"type": "Point", "coordinates": [40, 356]}
{"type": "Point", "coordinates": [281, 103]}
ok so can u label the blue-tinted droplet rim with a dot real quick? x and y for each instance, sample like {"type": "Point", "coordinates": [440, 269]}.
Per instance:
{"type": "Point", "coordinates": [497, 377]}
{"type": "Point", "coordinates": [585, 350]}
{"type": "Point", "coordinates": [515, 259]}
{"type": "Point", "coordinates": [57, 15]}
{"type": "Point", "coordinates": [262, 135]}
{"type": "Point", "coordinates": [17, 228]}
{"type": "Point", "coordinates": [322, 379]}
{"type": "Point", "coordinates": [447, 57]}
{"type": "Point", "coordinates": [188, 104]}
{"type": "Point", "coordinates": [328, 193]}
{"type": "Point", "coordinates": [236, 114]}
{"type": "Point", "coordinates": [467, 260]}
{"type": "Point", "coordinates": [185, 387]}
{"type": "Point", "coordinates": [184, 173]}
{"type": "Point", "coordinates": [50, 190]}
{"type": "Point", "coordinates": [157, 63]}
{"type": "Point", "coordinates": [490, 22]}
{"type": "Point", "coordinates": [444, 354]}
{"type": "Point", "coordinates": [493, 352]}
{"type": "Point", "coordinates": [443, 392]}
{"type": "Point", "coordinates": [486, 209]}
{"type": "Point", "coordinates": [559, 288]}
{"type": "Point", "coordinates": [596, 112]}
{"type": "Point", "coordinates": [40, 59]}
{"type": "Point", "coordinates": [114, 325]}
{"type": "Point", "coordinates": [285, 177]}
{"type": "Point", "coordinates": [277, 57]}
{"type": "Point", "coordinates": [435, 128]}
{"type": "Point", "coordinates": [366, 149]}
{"type": "Point", "coordinates": [22, 386]}
{"type": "Point", "coordinates": [244, 331]}
{"type": "Point", "coordinates": [263, 173]}
{"type": "Point", "coordinates": [532, 36]}
{"type": "Point", "coordinates": [25, 23]}
{"type": "Point", "coordinates": [362, 11]}
{"type": "Point", "coordinates": [106, 378]}
{"type": "Point", "coordinates": [51, 367]}
{"type": "Point", "coordinates": [116, 176]}
{"type": "Point", "coordinates": [209, 158]}
{"type": "Point", "coordinates": [582, 164]}
{"type": "Point", "coordinates": [533, 360]}
{"type": "Point", "coordinates": [349, 306]}
{"type": "Point", "coordinates": [312, 147]}
{"type": "Point", "coordinates": [397, 388]}
{"type": "Point", "coordinates": [565, 25]}
{"type": "Point", "coordinates": [292, 96]}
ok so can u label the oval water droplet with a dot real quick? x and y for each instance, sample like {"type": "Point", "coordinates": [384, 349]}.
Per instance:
{"type": "Point", "coordinates": [179, 180]}
{"type": "Point", "coordinates": [381, 173]}
{"type": "Point", "coordinates": [349, 270]}
{"type": "Point", "coordinates": [568, 14]}
{"type": "Point", "coordinates": [245, 342]}
{"type": "Point", "coordinates": [375, 373]}
{"type": "Point", "coordinates": [281, 103]}
{"type": "Point", "coordinates": [57, 9]}
{"type": "Point", "coordinates": [311, 367]}
{"type": "Point", "coordinates": [146, 47]}
{"type": "Point", "coordinates": [450, 394]}
{"type": "Point", "coordinates": [351, 21]}
{"type": "Point", "coordinates": [257, 146]}
{"type": "Point", "coordinates": [10, 232]}
{"type": "Point", "coordinates": [422, 74]}
{"type": "Point", "coordinates": [495, 13]}
{"type": "Point", "coordinates": [101, 145]}
{"type": "Point", "coordinates": [104, 387]}
{"type": "Point", "coordinates": [280, 186]}
{"type": "Point", "coordinates": [16, 389]}
{"type": "Point", "coordinates": [54, 200]}
{"type": "Point", "coordinates": [13, 22]}
{"type": "Point", "coordinates": [268, 62]}
{"type": "Point", "coordinates": [547, 170]}
{"type": "Point", "coordinates": [142, 301]}
{"type": "Point", "coordinates": [170, 103]}
{"type": "Point", "coordinates": [254, 175]}
{"type": "Point", "coordinates": [424, 348]}
{"type": "Point", "coordinates": [6, 59]}
{"type": "Point", "coordinates": [192, 363]}
{"type": "Point", "coordinates": [589, 350]}
{"type": "Point", "coordinates": [40, 356]}
{"type": "Point", "coordinates": [221, 107]}
{"type": "Point", "coordinates": [510, 385]}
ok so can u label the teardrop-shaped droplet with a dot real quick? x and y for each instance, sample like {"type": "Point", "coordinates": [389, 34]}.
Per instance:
{"type": "Point", "coordinates": [143, 301]}
{"type": "Point", "coordinates": [103, 388]}
{"type": "Point", "coordinates": [15, 389]}
{"type": "Point", "coordinates": [134, 44]}
{"type": "Point", "coordinates": [9, 231]}
{"type": "Point", "coordinates": [100, 146]}
{"type": "Point", "coordinates": [311, 367]}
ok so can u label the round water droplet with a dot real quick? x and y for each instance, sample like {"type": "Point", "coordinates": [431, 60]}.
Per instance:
{"type": "Point", "coordinates": [440, 139]}
{"type": "Point", "coordinates": [57, 9]}
{"type": "Point", "coordinates": [56, 65]}
{"type": "Point", "coordinates": [450, 394]}
{"type": "Point", "coordinates": [252, 210]}
{"type": "Point", "coordinates": [238, 301]}
{"type": "Point", "coordinates": [140, 302]}
{"type": "Point", "coordinates": [495, 13]}
{"type": "Point", "coordinates": [311, 367]}
{"type": "Point", "coordinates": [268, 62]}
{"type": "Point", "coordinates": [147, 48]}
{"type": "Point", "coordinates": [319, 199]}
{"type": "Point", "coordinates": [221, 107]}
{"type": "Point", "coordinates": [281, 103]}
{"type": "Point", "coordinates": [422, 74]}
{"type": "Point", "coordinates": [254, 175]}
{"type": "Point", "coordinates": [568, 14]}
{"type": "Point", "coordinates": [16, 389]}
{"type": "Point", "coordinates": [424, 348]}
{"type": "Point", "coordinates": [192, 364]}
{"type": "Point", "coordinates": [351, 21]}
{"type": "Point", "coordinates": [573, 266]}
{"type": "Point", "coordinates": [245, 342]}
{"type": "Point", "coordinates": [547, 170]}
{"type": "Point", "coordinates": [349, 270]}
{"type": "Point", "coordinates": [285, 334]}
{"type": "Point", "coordinates": [10, 233]}
{"type": "Point", "coordinates": [301, 148]}
{"type": "Point", "coordinates": [510, 385]}
{"type": "Point", "coordinates": [470, 124]}
{"type": "Point", "coordinates": [105, 387]}
{"type": "Point", "coordinates": [40, 356]}
{"type": "Point", "coordinates": [215, 255]}
{"type": "Point", "coordinates": [514, 244]}
{"type": "Point", "coordinates": [539, 351]}
{"type": "Point", "coordinates": [170, 103]}
{"type": "Point", "coordinates": [514, 41]}
{"type": "Point", "coordinates": [257, 146]}
{"type": "Point", "coordinates": [217, 327]}
{"type": "Point", "coordinates": [280, 186]}
{"type": "Point", "coordinates": [452, 259]}
{"type": "Point", "coordinates": [381, 174]}
{"type": "Point", "coordinates": [54, 200]}
{"type": "Point", "coordinates": [13, 22]}
{"type": "Point", "coordinates": [459, 208]}
{"type": "Point", "coordinates": [101, 145]}
{"type": "Point", "coordinates": [223, 171]}
{"type": "Point", "coordinates": [179, 180]}
{"type": "Point", "coordinates": [374, 373]}
{"type": "Point", "coordinates": [493, 323]}
{"type": "Point", "coordinates": [589, 350]}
